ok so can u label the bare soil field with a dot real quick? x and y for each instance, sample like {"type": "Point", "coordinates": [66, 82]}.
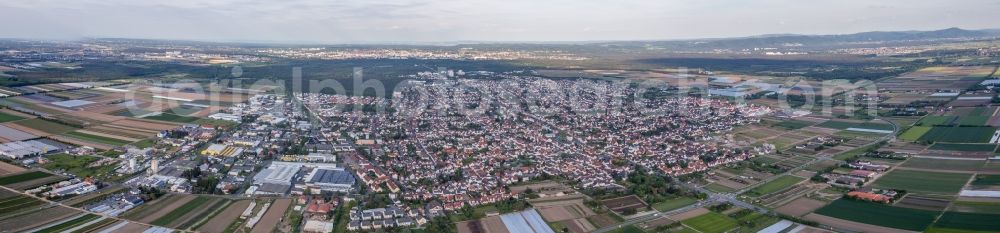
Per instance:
{"type": "Point", "coordinates": [272, 216]}
{"type": "Point", "coordinates": [219, 222]}
{"type": "Point", "coordinates": [622, 203]}
{"type": "Point", "coordinates": [579, 225]}
{"type": "Point", "coordinates": [6, 168]}
{"type": "Point", "coordinates": [555, 213]}
{"type": "Point", "coordinates": [849, 225]}
{"type": "Point", "coordinates": [145, 124]}
{"type": "Point", "coordinates": [800, 206]}
{"type": "Point", "coordinates": [915, 202]}
{"type": "Point", "coordinates": [30, 184]}
{"type": "Point", "coordinates": [79, 142]}
{"type": "Point", "coordinates": [491, 224]}
{"type": "Point", "coordinates": [130, 227]}
{"type": "Point", "coordinates": [97, 116]}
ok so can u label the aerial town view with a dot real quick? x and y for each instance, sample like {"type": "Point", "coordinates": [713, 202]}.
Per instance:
{"type": "Point", "coordinates": [431, 116]}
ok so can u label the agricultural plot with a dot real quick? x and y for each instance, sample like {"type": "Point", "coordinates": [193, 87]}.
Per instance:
{"type": "Point", "coordinates": [976, 222]}
{"type": "Point", "coordinates": [273, 215]}
{"type": "Point", "coordinates": [879, 214]}
{"type": "Point", "coordinates": [95, 138]}
{"type": "Point", "coordinates": [959, 134]}
{"type": "Point", "coordinates": [69, 224]}
{"type": "Point", "coordinates": [924, 203]}
{"type": "Point", "coordinates": [914, 133]}
{"type": "Point", "coordinates": [971, 147]}
{"type": "Point", "coordinates": [956, 78]}
{"type": "Point", "coordinates": [945, 164]}
{"type": "Point", "coordinates": [923, 181]}
{"type": "Point", "coordinates": [189, 210]}
{"type": "Point", "coordinates": [46, 126]}
{"type": "Point", "coordinates": [936, 121]}
{"type": "Point", "coordinates": [986, 180]}
{"type": "Point", "coordinates": [172, 118]}
{"type": "Point", "coordinates": [835, 124]}
{"type": "Point", "coordinates": [624, 203]}
{"type": "Point", "coordinates": [35, 218]}
{"type": "Point", "coordinates": [5, 117]}
{"type": "Point", "coordinates": [23, 177]}
{"type": "Point", "coordinates": [775, 185]}
{"type": "Point", "coordinates": [711, 222]}
{"type": "Point", "coordinates": [800, 207]}
{"type": "Point", "coordinates": [792, 124]}
{"type": "Point", "coordinates": [13, 204]}
{"type": "Point", "coordinates": [219, 222]}
{"type": "Point", "coordinates": [673, 203]}
{"type": "Point", "coordinates": [975, 207]}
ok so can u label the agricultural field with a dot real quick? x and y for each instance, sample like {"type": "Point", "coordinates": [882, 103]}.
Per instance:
{"type": "Point", "coordinates": [959, 134]}
{"type": "Point", "coordinates": [879, 214]}
{"type": "Point", "coordinates": [986, 180]}
{"type": "Point", "coordinates": [964, 147]}
{"type": "Point", "coordinates": [944, 164]}
{"type": "Point", "coordinates": [273, 215]}
{"type": "Point", "coordinates": [775, 185]}
{"type": "Point", "coordinates": [5, 117]}
{"type": "Point", "coordinates": [6, 168]}
{"type": "Point", "coordinates": [15, 203]}
{"type": "Point", "coordinates": [930, 183]}
{"type": "Point", "coordinates": [224, 218]}
{"type": "Point", "coordinates": [711, 222]}
{"type": "Point", "coordinates": [97, 138]}
{"type": "Point", "coordinates": [46, 126]}
{"type": "Point", "coordinates": [929, 121]}
{"type": "Point", "coordinates": [172, 118]}
{"type": "Point", "coordinates": [22, 177]}
{"type": "Point", "coordinates": [967, 222]}
{"type": "Point", "coordinates": [800, 207]}
{"type": "Point", "coordinates": [624, 203]}
{"type": "Point", "coordinates": [35, 218]}
{"type": "Point", "coordinates": [673, 203]}
{"type": "Point", "coordinates": [86, 218]}
{"type": "Point", "coordinates": [792, 124]}
{"type": "Point", "coordinates": [179, 217]}
{"type": "Point", "coordinates": [914, 133]}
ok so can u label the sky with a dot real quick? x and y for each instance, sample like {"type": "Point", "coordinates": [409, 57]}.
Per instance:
{"type": "Point", "coordinates": [370, 21]}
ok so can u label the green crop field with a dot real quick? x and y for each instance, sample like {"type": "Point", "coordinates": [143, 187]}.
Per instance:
{"type": "Point", "coordinates": [97, 139]}
{"type": "Point", "coordinates": [69, 224]}
{"type": "Point", "coordinates": [984, 179]}
{"type": "Point", "coordinates": [4, 117]}
{"type": "Point", "coordinates": [711, 222]}
{"type": "Point", "coordinates": [945, 164]}
{"type": "Point", "coordinates": [935, 120]}
{"type": "Point", "coordinates": [718, 188]}
{"type": "Point", "coordinates": [11, 204]}
{"type": "Point", "coordinates": [46, 126]}
{"type": "Point", "coordinates": [978, 147]}
{"type": "Point", "coordinates": [181, 211]}
{"type": "Point", "coordinates": [673, 203]}
{"type": "Point", "coordinates": [959, 134]}
{"type": "Point", "coordinates": [969, 221]}
{"type": "Point", "coordinates": [973, 120]}
{"type": "Point", "coordinates": [879, 214]}
{"type": "Point", "coordinates": [914, 133]}
{"type": "Point", "coordinates": [775, 185]}
{"type": "Point", "coordinates": [23, 177]}
{"type": "Point", "coordinates": [923, 182]}
{"type": "Point", "coordinates": [975, 207]}
{"type": "Point", "coordinates": [792, 124]}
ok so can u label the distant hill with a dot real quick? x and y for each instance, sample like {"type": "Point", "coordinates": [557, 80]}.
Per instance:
{"type": "Point", "coordinates": [819, 41]}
